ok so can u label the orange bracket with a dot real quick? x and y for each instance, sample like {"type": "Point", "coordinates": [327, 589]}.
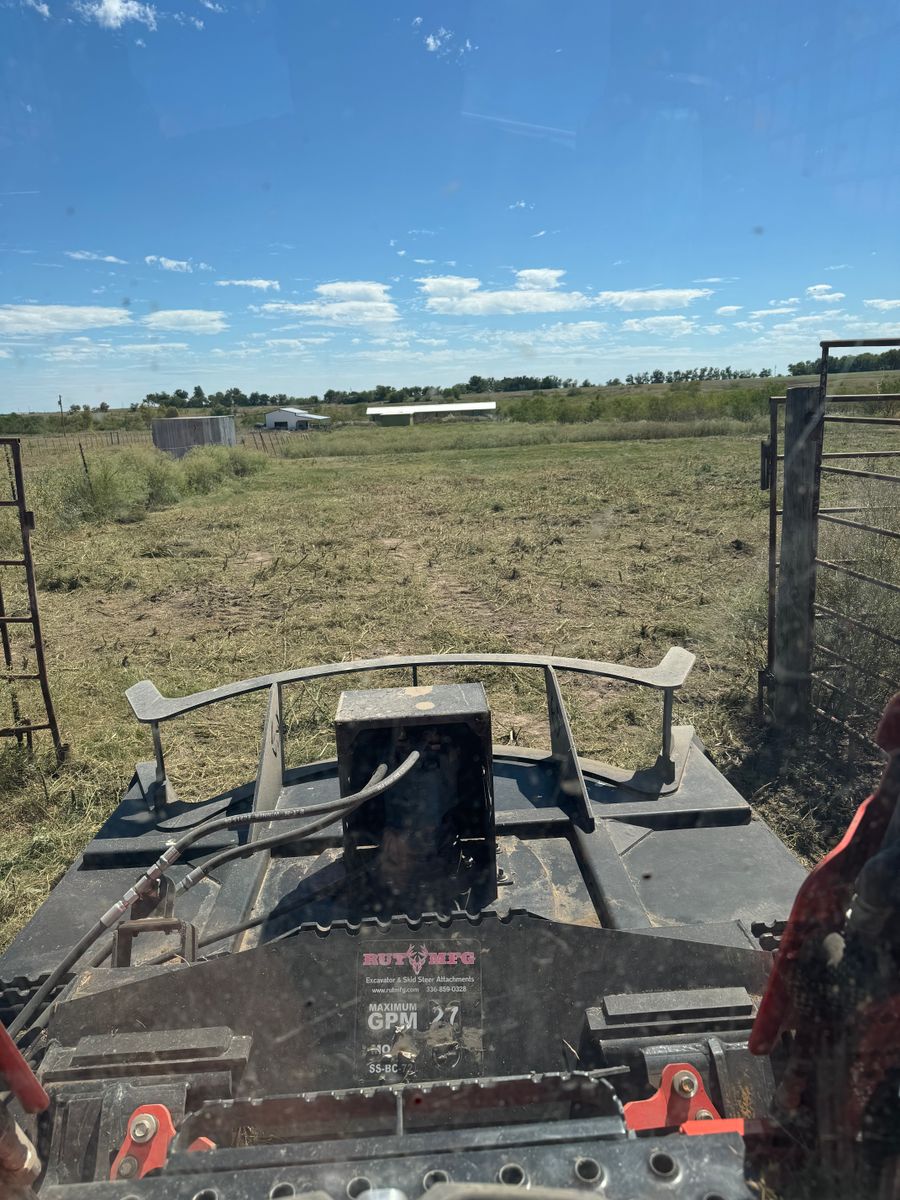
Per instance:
{"type": "Point", "coordinates": [146, 1146]}
{"type": "Point", "coordinates": [680, 1098]}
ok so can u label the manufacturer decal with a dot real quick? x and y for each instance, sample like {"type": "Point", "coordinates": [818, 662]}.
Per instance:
{"type": "Point", "coordinates": [419, 1011]}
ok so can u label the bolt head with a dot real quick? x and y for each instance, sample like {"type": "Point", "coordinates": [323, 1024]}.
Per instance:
{"type": "Point", "coordinates": [143, 1127]}
{"type": "Point", "coordinates": [128, 1167]}
{"type": "Point", "coordinates": [703, 1114]}
{"type": "Point", "coordinates": [685, 1083]}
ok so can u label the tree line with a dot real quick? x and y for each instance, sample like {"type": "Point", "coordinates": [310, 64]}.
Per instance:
{"type": "Point", "coordinates": [384, 393]}
{"type": "Point", "coordinates": [888, 361]}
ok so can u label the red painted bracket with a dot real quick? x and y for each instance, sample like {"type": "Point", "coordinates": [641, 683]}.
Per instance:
{"type": "Point", "coordinates": [146, 1146]}
{"type": "Point", "coordinates": [681, 1098]}
{"type": "Point", "coordinates": [20, 1078]}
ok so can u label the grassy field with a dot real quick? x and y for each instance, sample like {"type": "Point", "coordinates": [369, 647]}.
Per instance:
{"type": "Point", "coordinates": [468, 538]}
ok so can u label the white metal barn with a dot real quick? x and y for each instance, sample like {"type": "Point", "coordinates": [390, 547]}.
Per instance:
{"type": "Point", "coordinates": [293, 419]}
{"type": "Point", "coordinates": [388, 413]}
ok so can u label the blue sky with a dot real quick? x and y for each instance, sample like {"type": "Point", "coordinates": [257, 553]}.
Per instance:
{"type": "Point", "coordinates": [287, 195]}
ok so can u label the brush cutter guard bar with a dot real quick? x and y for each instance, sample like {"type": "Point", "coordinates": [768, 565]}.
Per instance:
{"type": "Point", "coordinates": [151, 707]}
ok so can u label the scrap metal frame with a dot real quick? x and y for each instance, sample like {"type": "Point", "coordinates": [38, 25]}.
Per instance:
{"type": "Point", "coordinates": [836, 515]}
{"type": "Point", "coordinates": [22, 729]}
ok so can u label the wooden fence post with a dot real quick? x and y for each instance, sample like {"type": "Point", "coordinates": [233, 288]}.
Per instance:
{"type": "Point", "coordinates": [795, 601]}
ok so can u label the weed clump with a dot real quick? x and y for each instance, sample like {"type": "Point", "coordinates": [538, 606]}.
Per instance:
{"type": "Point", "coordinates": [107, 491]}
{"type": "Point", "coordinates": [128, 485]}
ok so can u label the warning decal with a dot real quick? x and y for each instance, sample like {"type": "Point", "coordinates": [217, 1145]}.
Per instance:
{"type": "Point", "coordinates": [419, 1011]}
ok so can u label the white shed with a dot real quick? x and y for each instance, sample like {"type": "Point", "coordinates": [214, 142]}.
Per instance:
{"type": "Point", "coordinates": [293, 418]}
{"type": "Point", "coordinates": [390, 412]}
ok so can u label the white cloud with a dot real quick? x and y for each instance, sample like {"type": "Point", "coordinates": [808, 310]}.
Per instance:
{"type": "Point", "coordinates": [839, 267]}
{"type": "Point", "coordinates": [401, 253]}
{"type": "Point", "coordinates": [344, 302]}
{"type": "Point", "coordinates": [770, 312]}
{"type": "Point", "coordinates": [728, 310]}
{"type": "Point", "coordinates": [537, 290]}
{"type": "Point", "coordinates": [297, 345]}
{"type": "Point", "coordinates": [539, 278]}
{"type": "Point", "coordinates": [151, 347]}
{"type": "Point", "coordinates": [78, 350]}
{"type": "Point", "coordinates": [113, 14]}
{"type": "Point", "coordinates": [262, 285]}
{"type": "Point", "coordinates": [714, 329]}
{"type": "Point", "coordinates": [668, 326]}
{"type": "Point", "coordinates": [170, 264]}
{"type": "Point", "coordinates": [804, 326]}
{"type": "Point", "coordinates": [444, 43]}
{"type": "Point", "coordinates": [424, 262]}
{"type": "Point", "coordinates": [540, 233]}
{"type": "Point", "coordinates": [519, 204]}
{"type": "Point", "coordinates": [5, 353]}
{"type": "Point", "coordinates": [562, 337]}
{"type": "Point", "coordinates": [788, 300]}
{"type": "Point", "coordinates": [187, 320]}
{"type": "Point", "coordinates": [416, 22]}
{"type": "Point", "coordinates": [38, 7]}
{"type": "Point", "coordinates": [882, 305]}
{"type": "Point", "coordinates": [651, 298]}
{"type": "Point", "coordinates": [434, 41]}
{"type": "Point", "coordinates": [58, 318]}
{"type": "Point", "coordinates": [823, 292]}
{"type": "Point", "coordinates": [90, 256]}
{"type": "Point", "coordinates": [448, 285]}
{"type": "Point", "coordinates": [711, 279]}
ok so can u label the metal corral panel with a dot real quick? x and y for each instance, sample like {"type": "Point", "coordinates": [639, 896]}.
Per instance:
{"type": "Point", "coordinates": [178, 435]}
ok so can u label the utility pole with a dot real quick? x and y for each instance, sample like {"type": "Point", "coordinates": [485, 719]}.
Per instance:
{"type": "Point", "coordinates": [62, 415]}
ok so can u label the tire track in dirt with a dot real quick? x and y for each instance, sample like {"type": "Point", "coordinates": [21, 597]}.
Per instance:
{"type": "Point", "coordinates": [449, 593]}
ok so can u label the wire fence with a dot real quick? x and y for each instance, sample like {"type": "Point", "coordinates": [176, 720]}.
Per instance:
{"type": "Point", "coordinates": [834, 573]}
{"type": "Point", "coordinates": [274, 443]}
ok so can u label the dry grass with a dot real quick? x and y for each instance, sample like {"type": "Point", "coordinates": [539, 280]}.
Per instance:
{"type": "Point", "coordinates": [585, 548]}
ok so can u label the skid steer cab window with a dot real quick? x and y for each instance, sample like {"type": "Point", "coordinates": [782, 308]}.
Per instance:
{"type": "Point", "coordinates": [449, 579]}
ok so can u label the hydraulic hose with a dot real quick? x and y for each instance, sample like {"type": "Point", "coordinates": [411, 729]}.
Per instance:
{"type": "Point", "coordinates": [236, 821]}
{"type": "Point", "coordinates": [337, 808]}
{"type": "Point", "coordinates": [222, 935]}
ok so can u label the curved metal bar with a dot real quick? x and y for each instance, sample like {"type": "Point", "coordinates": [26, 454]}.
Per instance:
{"type": "Point", "coordinates": [150, 706]}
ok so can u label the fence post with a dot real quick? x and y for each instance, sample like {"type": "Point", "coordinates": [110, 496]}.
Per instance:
{"type": "Point", "coordinates": [795, 601]}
